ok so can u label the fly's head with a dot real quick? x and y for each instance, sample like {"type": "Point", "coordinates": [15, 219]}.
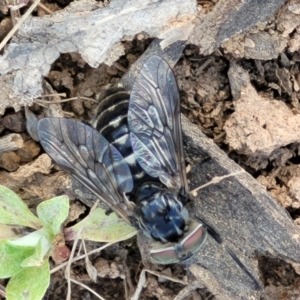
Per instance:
{"type": "Point", "coordinates": [184, 249]}
{"type": "Point", "coordinates": [162, 216]}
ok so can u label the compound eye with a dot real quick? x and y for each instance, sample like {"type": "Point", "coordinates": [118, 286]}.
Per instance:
{"type": "Point", "coordinates": [164, 256]}
{"type": "Point", "coordinates": [195, 238]}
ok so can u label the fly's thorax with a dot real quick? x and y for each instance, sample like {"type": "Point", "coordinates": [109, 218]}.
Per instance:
{"type": "Point", "coordinates": [160, 213]}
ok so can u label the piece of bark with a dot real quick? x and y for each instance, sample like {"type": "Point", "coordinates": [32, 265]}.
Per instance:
{"type": "Point", "coordinates": [238, 79]}
{"type": "Point", "coordinates": [284, 80]}
{"type": "Point", "coordinates": [229, 18]}
{"type": "Point", "coordinates": [11, 142]}
{"type": "Point", "coordinates": [249, 221]}
{"type": "Point", "coordinates": [86, 27]}
{"type": "Point", "coordinates": [257, 45]}
{"type": "Point", "coordinates": [267, 43]}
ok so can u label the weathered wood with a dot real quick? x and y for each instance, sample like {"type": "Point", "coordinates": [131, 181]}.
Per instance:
{"type": "Point", "coordinates": [240, 210]}
{"type": "Point", "coordinates": [87, 27]}
{"type": "Point", "coordinates": [229, 18]}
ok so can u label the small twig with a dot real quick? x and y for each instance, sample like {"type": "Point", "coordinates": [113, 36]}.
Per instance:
{"type": "Point", "coordinates": [80, 249]}
{"type": "Point", "coordinates": [158, 274]}
{"type": "Point", "coordinates": [204, 65]}
{"type": "Point", "coordinates": [68, 114]}
{"type": "Point", "coordinates": [87, 288]}
{"type": "Point", "coordinates": [127, 281]}
{"type": "Point", "coordinates": [21, 20]}
{"type": "Point", "coordinates": [65, 100]}
{"type": "Point", "coordinates": [140, 286]}
{"type": "Point", "coordinates": [81, 98]}
{"type": "Point", "coordinates": [211, 297]}
{"type": "Point", "coordinates": [91, 270]}
{"type": "Point", "coordinates": [198, 59]}
{"type": "Point", "coordinates": [125, 287]}
{"type": "Point", "coordinates": [213, 181]}
{"type": "Point", "coordinates": [120, 67]}
{"type": "Point", "coordinates": [53, 95]}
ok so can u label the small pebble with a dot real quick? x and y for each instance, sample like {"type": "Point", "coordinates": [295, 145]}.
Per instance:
{"type": "Point", "coordinates": [15, 122]}
{"type": "Point", "coordinates": [29, 151]}
{"type": "Point", "coordinates": [9, 161]}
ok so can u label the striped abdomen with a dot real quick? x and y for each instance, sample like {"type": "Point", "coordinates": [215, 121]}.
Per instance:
{"type": "Point", "coordinates": [111, 121]}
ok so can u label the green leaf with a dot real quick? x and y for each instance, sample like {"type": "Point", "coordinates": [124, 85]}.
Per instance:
{"type": "Point", "coordinates": [11, 258]}
{"type": "Point", "coordinates": [33, 238]}
{"type": "Point", "coordinates": [53, 213]}
{"type": "Point", "coordinates": [13, 211]}
{"type": "Point", "coordinates": [30, 284]}
{"type": "Point", "coordinates": [37, 259]}
{"type": "Point", "coordinates": [100, 227]}
{"type": "Point", "coordinates": [40, 240]}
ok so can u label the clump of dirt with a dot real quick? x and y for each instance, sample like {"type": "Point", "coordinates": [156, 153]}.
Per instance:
{"type": "Point", "coordinates": [205, 91]}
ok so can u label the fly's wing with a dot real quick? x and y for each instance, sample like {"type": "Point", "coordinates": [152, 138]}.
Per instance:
{"type": "Point", "coordinates": [90, 158]}
{"type": "Point", "coordinates": [155, 125]}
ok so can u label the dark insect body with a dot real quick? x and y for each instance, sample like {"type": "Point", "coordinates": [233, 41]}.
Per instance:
{"type": "Point", "coordinates": [134, 161]}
